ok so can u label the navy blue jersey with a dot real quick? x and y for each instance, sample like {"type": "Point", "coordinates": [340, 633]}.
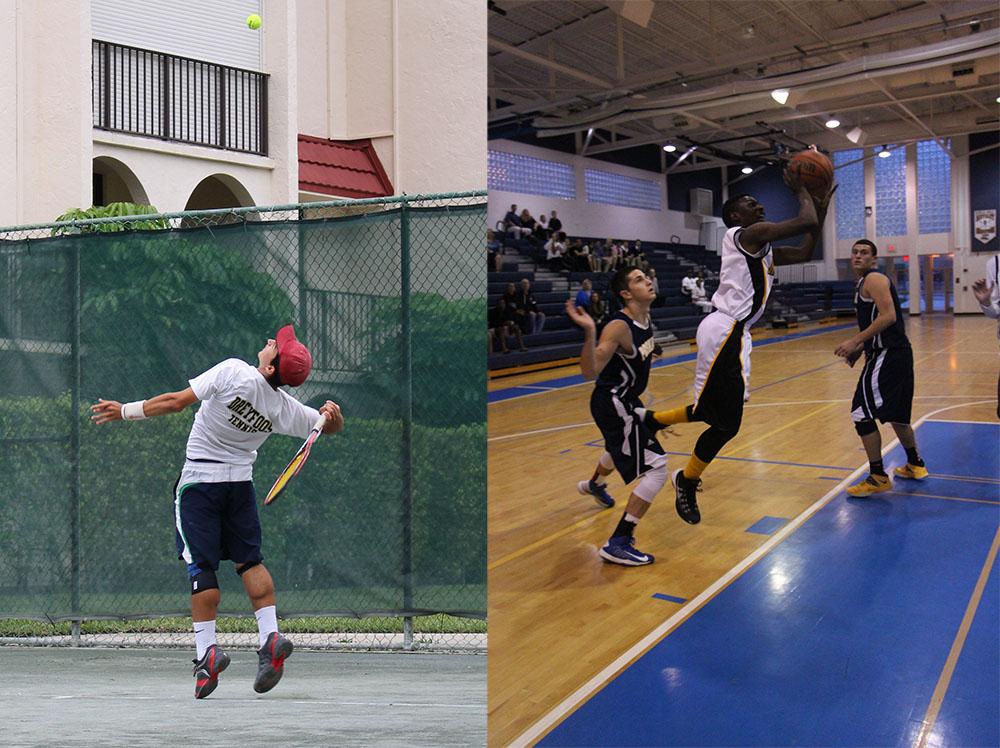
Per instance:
{"type": "Point", "coordinates": [893, 336]}
{"type": "Point", "coordinates": [626, 376]}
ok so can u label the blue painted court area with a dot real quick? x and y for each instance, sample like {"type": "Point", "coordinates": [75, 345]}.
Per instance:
{"type": "Point", "coordinates": [840, 634]}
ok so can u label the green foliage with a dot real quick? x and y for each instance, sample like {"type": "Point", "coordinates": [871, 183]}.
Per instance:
{"type": "Point", "coordinates": [113, 210]}
{"type": "Point", "coordinates": [449, 366]}
{"type": "Point", "coordinates": [170, 306]}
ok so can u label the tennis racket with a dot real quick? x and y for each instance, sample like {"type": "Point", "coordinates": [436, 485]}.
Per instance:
{"type": "Point", "coordinates": [293, 467]}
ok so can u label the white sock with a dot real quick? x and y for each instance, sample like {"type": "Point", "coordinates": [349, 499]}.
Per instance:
{"type": "Point", "coordinates": [204, 637]}
{"type": "Point", "coordinates": [267, 622]}
{"type": "Point", "coordinates": [631, 518]}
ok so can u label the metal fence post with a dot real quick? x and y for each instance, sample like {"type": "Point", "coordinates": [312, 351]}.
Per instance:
{"type": "Point", "coordinates": [74, 498]}
{"type": "Point", "coordinates": [407, 400]}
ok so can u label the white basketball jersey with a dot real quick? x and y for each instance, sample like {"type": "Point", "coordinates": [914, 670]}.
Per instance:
{"type": "Point", "coordinates": [744, 281]}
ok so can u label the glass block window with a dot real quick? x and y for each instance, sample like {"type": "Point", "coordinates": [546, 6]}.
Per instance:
{"type": "Point", "coordinates": [890, 193]}
{"type": "Point", "coordinates": [933, 188]}
{"type": "Point", "coordinates": [628, 192]}
{"type": "Point", "coordinates": [850, 194]}
{"type": "Point", "coordinates": [514, 172]}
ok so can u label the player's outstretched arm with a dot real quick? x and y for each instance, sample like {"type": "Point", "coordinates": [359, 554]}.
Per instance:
{"type": "Point", "coordinates": [876, 287]}
{"type": "Point", "coordinates": [595, 355]}
{"type": "Point", "coordinates": [105, 411]}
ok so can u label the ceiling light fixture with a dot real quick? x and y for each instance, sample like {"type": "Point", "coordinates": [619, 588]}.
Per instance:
{"type": "Point", "coordinates": [670, 148]}
{"type": "Point", "coordinates": [854, 134]}
{"type": "Point", "coordinates": [747, 169]}
{"type": "Point", "coordinates": [780, 95]}
{"type": "Point", "coordinates": [833, 122]}
{"type": "Point", "coordinates": [884, 153]}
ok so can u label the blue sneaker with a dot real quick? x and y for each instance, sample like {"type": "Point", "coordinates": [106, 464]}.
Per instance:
{"type": "Point", "coordinates": [598, 491]}
{"type": "Point", "coordinates": [622, 550]}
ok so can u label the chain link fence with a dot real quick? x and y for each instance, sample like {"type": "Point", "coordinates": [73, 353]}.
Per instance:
{"type": "Point", "coordinates": [379, 543]}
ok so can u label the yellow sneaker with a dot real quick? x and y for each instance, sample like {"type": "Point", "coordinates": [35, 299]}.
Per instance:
{"type": "Point", "coordinates": [871, 484]}
{"type": "Point", "coordinates": [914, 472]}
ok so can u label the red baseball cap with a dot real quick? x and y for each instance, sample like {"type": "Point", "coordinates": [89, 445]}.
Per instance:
{"type": "Point", "coordinates": [295, 360]}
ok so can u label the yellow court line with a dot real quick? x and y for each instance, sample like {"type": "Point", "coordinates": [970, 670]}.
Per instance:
{"type": "Point", "coordinates": [771, 433]}
{"type": "Point", "coordinates": [956, 648]}
{"type": "Point", "coordinates": [544, 541]}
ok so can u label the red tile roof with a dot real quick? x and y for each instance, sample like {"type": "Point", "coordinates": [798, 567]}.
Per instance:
{"type": "Point", "coordinates": [342, 168]}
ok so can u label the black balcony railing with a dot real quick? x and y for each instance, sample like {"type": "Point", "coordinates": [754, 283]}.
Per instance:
{"type": "Point", "coordinates": [164, 96]}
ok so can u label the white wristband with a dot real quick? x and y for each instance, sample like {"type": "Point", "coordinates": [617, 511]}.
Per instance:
{"type": "Point", "coordinates": [133, 411]}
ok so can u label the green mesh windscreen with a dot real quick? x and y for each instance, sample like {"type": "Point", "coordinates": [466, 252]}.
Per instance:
{"type": "Point", "coordinates": [388, 517]}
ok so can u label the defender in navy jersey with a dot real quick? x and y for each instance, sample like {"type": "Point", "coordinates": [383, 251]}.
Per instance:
{"type": "Point", "coordinates": [885, 387]}
{"type": "Point", "coordinates": [620, 363]}
{"type": "Point", "coordinates": [215, 511]}
{"type": "Point", "coordinates": [722, 373]}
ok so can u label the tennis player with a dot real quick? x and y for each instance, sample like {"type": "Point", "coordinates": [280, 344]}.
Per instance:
{"type": "Point", "coordinates": [215, 508]}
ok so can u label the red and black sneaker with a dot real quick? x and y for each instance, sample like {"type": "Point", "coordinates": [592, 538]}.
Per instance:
{"type": "Point", "coordinates": [207, 669]}
{"type": "Point", "coordinates": [272, 662]}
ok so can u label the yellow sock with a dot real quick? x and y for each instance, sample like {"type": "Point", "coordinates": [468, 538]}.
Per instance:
{"type": "Point", "coordinates": [694, 468]}
{"type": "Point", "coordinates": [670, 417]}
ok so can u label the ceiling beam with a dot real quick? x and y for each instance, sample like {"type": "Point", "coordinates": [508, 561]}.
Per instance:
{"type": "Point", "coordinates": [549, 64]}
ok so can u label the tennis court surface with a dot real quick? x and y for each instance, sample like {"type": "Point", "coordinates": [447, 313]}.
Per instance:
{"type": "Point", "coordinates": [85, 697]}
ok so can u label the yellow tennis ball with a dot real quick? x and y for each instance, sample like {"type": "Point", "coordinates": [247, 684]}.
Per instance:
{"type": "Point", "coordinates": [253, 21]}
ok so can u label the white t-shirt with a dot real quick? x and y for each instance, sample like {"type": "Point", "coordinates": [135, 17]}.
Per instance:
{"type": "Point", "coordinates": [239, 410]}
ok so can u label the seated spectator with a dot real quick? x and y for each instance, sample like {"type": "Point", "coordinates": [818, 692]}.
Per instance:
{"type": "Point", "coordinates": [528, 222]}
{"type": "Point", "coordinates": [500, 326]}
{"type": "Point", "coordinates": [617, 255]}
{"type": "Point", "coordinates": [636, 257]}
{"type": "Point", "coordinates": [494, 252]}
{"type": "Point", "coordinates": [555, 225]}
{"type": "Point", "coordinates": [583, 295]}
{"type": "Point", "coordinates": [542, 232]}
{"type": "Point", "coordinates": [699, 295]}
{"type": "Point", "coordinates": [576, 257]}
{"type": "Point", "coordinates": [599, 257]}
{"type": "Point", "coordinates": [527, 316]}
{"type": "Point", "coordinates": [512, 224]}
{"type": "Point", "coordinates": [598, 309]}
{"type": "Point", "coordinates": [687, 283]}
{"type": "Point", "coordinates": [555, 249]}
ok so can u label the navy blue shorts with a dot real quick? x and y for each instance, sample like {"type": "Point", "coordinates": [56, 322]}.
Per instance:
{"type": "Point", "coordinates": [216, 521]}
{"type": "Point", "coordinates": [630, 444]}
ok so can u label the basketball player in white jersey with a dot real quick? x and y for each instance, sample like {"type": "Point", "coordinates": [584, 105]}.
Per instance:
{"type": "Point", "coordinates": [987, 292]}
{"type": "Point", "coordinates": [215, 510]}
{"type": "Point", "coordinates": [722, 373]}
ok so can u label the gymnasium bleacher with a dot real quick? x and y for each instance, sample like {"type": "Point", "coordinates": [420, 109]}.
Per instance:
{"type": "Point", "coordinates": [674, 317]}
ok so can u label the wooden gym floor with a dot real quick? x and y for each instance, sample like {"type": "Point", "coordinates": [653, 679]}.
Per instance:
{"type": "Point", "coordinates": [565, 627]}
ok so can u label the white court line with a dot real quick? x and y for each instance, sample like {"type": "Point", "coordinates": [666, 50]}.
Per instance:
{"type": "Point", "coordinates": [542, 726]}
{"type": "Point", "coordinates": [780, 403]}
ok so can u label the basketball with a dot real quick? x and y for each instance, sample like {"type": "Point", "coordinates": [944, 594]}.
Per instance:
{"type": "Point", "coordinates": [812, 170]}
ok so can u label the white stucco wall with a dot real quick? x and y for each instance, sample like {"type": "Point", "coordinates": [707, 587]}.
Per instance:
{"type": "Point", "coordinates": [582, 218]}
{"type": "Point", "coordinates": [392, 71]}
{"type": "Point", "coordinates": [44, 109]}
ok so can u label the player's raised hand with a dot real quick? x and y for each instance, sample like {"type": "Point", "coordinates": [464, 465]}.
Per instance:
{"type": "Point", "coordinates": [579, 316]}
{"type": "Point", "coordinates": [334, 418]}
{"type": "Point", "coordinates": [981, 291]}
{"type": "Point", "coordinates": [105, 411]}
